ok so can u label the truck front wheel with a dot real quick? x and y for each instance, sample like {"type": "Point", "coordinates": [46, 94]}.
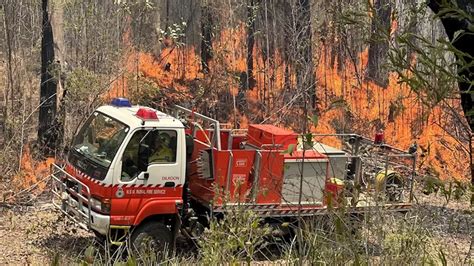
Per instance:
{"type": "Point", "coordinates": [151, 239]}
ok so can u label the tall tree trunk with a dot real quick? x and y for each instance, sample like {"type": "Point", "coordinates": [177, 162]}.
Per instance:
{"type": "Point", "coordinates": [7, 8]}
{"type": "Point", "coordinates": [57, 21]}
{"type": "Point", "coordinates": [305, 68]}
{"type": "Point", "coordinates": [379, 43]}
{"type": "Point", "coordinates": [206, 40]}
{"type": "Point", "coordinates": [464, 43]}
{"type": "Point", "coordinates": [47, 132]}
{"type": "Point", "coordinates": [412, 27]}
{"type": "Point", "coordinates": [247, 80]}
{"type": "Point", "coordinates": [454, 22]}
{"type": "Point", "coordinates": [251, 17]}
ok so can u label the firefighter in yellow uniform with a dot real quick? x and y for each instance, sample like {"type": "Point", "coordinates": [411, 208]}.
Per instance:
{"type": "Point", "coordinates": [162, 153]}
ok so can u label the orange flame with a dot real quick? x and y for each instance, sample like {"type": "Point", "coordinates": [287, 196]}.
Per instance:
{"type": "Point", "coordinates": [32, 172]}
{"type": "Point", "coordinates": [367, 107]}
{"type": "Point", "coordinates": [398, 111]}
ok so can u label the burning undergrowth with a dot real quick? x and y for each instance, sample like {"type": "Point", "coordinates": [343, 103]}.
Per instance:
{"type": "Point", "coordinates": [346, 102]}
{"type": "Point", "coordinates": [31, 179]}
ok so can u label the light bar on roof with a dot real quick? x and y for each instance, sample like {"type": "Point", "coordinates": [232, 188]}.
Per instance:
{"type": "Point", "coordinates": [146, 114]}
{"type": "Point", "coordinates": [121, 102]}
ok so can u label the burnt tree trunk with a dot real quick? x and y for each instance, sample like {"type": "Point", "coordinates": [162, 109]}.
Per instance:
{"type": "Point", "coordinates": [454, 22]}
{"type": "Point", "coordinates": [464, 43]}
{"type": "Point", "coordinates": [247, 80]}
{"type": "Point", "coordinates": [47, 131]}
{"type": "Point", "coordinates": [305, 77]}
{"type": "Point", "coordinates": [412, 27]}
{"type": "Point", "coordinates": [206, 40]}
{"type": "Point", "coordinates": [250, 82]}
{"type": "Point", "coordinates": [378, 48]}
{"type": "Point", "coordinates": [57, 26]}
{"type": "Point", "coordinates": [9, 88]}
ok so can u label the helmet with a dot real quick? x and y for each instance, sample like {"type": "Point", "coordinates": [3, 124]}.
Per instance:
{"type": "Point", "coordinates": [165, 138]}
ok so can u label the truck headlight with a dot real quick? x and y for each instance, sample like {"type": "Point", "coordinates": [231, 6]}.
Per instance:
{"type": "Point", "coordinates": [96, 204]}
{"type": "Point", "coordinates": [101, 205]}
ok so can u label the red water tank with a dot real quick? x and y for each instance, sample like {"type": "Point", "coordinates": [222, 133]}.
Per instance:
{"type": "Point", "coordinates": [271, 137]}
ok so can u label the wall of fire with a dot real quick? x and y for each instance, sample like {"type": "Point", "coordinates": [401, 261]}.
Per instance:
{"type": "Point", "coordinates": [241, 61]}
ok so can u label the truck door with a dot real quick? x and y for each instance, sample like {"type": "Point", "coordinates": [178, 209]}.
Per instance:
{"type": "Point", "coordinates": [163, 177]}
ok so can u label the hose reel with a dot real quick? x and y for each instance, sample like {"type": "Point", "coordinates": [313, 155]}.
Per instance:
{"type": "Point", "coordinates": [391, 184]}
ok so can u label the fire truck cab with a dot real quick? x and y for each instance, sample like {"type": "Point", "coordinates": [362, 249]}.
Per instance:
{"type": "Point", "coordinates": [126, 165]}
{"type": "Point", "coordinates": [133, 169]}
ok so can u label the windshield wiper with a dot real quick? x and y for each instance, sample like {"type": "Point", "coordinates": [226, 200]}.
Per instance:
{"type": "Point", "coordinates": [95, 158]}
{"type": "Point", "coordinates": [101, 155]}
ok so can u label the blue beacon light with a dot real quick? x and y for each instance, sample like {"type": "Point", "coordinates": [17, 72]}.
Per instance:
{"type": "Point", "coordinates": [121, 102]}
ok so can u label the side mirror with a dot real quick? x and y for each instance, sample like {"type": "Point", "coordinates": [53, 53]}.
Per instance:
{"type": "Point", "coordinates": [144, 152]}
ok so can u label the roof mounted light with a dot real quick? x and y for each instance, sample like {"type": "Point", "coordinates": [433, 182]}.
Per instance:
{"type": "Point", "coordinates": [121, 102]}
{"type": "Point", "coordinates": [147, 114]}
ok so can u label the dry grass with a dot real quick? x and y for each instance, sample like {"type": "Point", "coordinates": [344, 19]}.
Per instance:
{"type": "Point", "coordinates": [433, 233]}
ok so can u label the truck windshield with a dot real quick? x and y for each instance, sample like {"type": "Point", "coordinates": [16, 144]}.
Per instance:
{"type": "Point", "coordinates": [99, 139]}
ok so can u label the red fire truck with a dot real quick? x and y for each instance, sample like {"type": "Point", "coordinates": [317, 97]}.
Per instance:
{"type": "Point", "coordinates": [135, 171]}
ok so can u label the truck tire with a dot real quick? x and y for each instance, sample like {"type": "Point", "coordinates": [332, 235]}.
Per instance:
{"type": "Point", "coordinates": [150, 239]}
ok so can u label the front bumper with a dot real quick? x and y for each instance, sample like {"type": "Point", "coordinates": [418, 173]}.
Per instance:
{"type": "Point", "coordinates": [74, 200]}
{"type": "Point", "coordinates": [98, 222]}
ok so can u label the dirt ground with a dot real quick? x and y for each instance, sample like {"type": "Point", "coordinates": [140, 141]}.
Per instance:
{"type": "Point", "coordinates": [451, 226]}
{"type": "Point", "coordinates": [36, 234]}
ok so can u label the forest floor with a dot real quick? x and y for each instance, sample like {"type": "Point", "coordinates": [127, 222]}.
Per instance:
{"type": "Point", "coordinates": [450, 225]}
{"type": "Point", "coordinates": [36, 234]}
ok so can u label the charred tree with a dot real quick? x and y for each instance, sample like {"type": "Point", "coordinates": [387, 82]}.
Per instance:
{"type": "Point", "coordinates": [57, 22]}
{"type": "Point", "coordinates": [412, 27]}
{"type": "Point", "coordinates": [251, 17]}
{"type": "Point", "coordinates": [8, 9]}
{"type": "Point", "coordinates": [47, 126]}
{"type": "Point", "coordinates": [206, 39]}
{"type": "Point", "coordinates": [379, 42]}
{"type": "Point", "coordinates": [453, 23]}
{"type": "Point", "coordinates": [459, 29]}
{"type": "Point", "coordinates": [247, 80]}
{"type": "Point", "coordinates": [305, 77]}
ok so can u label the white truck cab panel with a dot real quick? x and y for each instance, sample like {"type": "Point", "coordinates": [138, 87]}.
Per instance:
{"type": "Point", "coordinates": [158, 173]}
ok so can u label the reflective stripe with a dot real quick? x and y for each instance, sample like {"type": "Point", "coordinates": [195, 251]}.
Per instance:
{"type": "Point", "coordinates": [79, 173]}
